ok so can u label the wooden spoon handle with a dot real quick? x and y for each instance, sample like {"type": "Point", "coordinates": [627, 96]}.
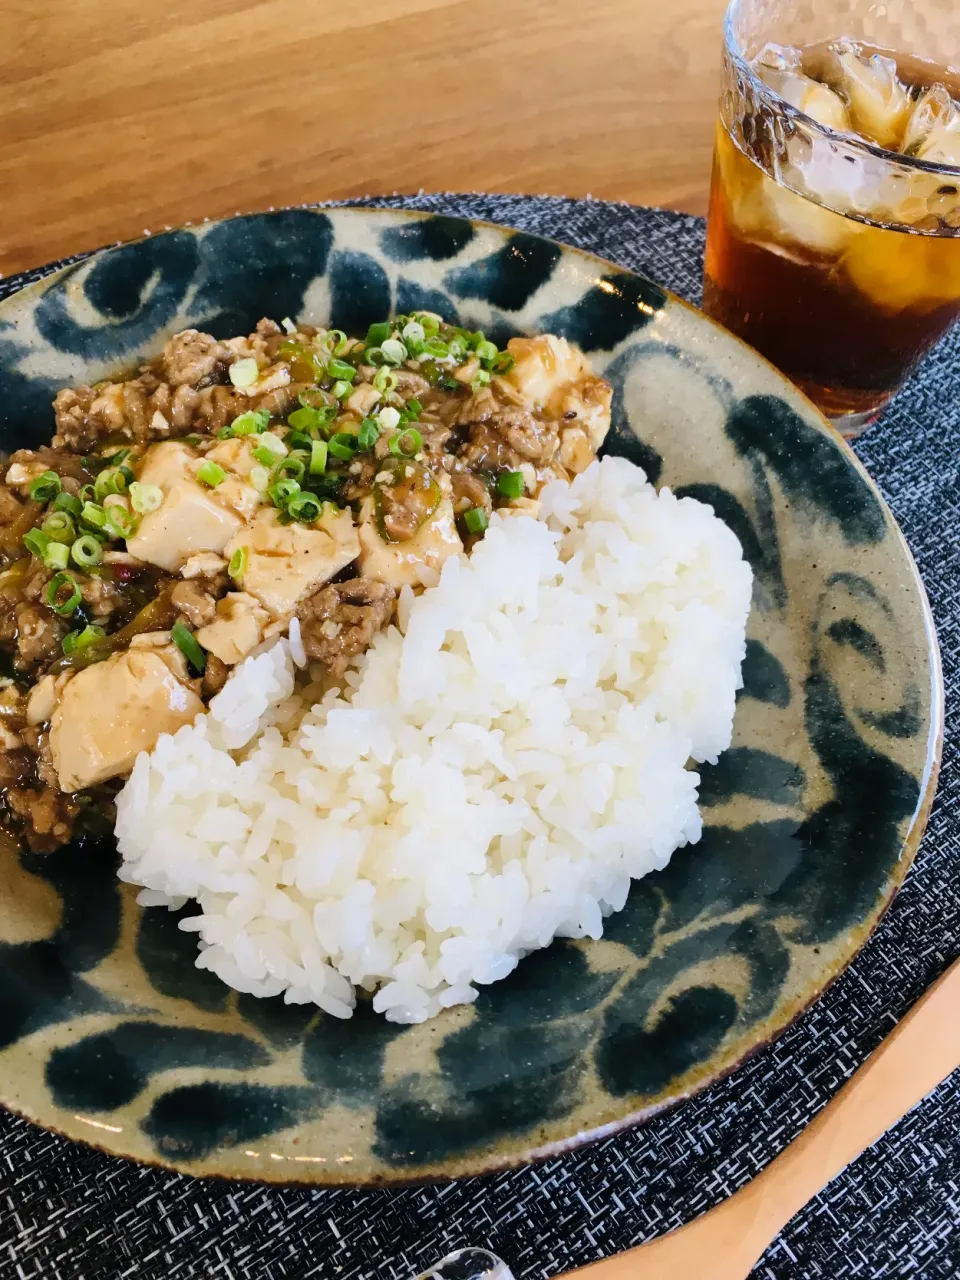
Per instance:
{"type": "Point", "coordinates": [724, 1244]}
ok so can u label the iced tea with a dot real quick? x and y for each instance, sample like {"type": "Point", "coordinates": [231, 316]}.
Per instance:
{"type": "Point", "coordinates": [833, 241]}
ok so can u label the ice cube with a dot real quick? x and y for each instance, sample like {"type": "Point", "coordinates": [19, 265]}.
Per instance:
{"type": "Point", "coordinates": [778, 57]}
{"type": "Point", "coordinates": [797, 222]}
{"type": "Point", "coordinates": [878, 102]}
{"type": "Point", "coordinates": [810, 97]}
{"type": "Point", "coordinates": [934, 109]}
{"type": "Point", "coordinates": [942, 145]}
{"type": "Point", "coordinates": [899, 271]}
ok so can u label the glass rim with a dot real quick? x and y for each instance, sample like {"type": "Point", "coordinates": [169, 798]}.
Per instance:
{"type": "Point", "coordinates": [852, 140]}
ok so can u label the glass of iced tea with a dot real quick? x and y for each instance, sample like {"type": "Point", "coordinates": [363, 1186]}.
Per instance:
{"type": "Point", "coordinates": [833, 239]}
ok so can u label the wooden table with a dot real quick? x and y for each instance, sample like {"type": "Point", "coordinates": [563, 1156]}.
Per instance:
{"type": "Point", "coordinates": [118, 115]}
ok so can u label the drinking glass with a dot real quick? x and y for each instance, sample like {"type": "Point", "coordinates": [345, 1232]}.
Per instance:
{"type": "Point", "coordinates": [835, 254]}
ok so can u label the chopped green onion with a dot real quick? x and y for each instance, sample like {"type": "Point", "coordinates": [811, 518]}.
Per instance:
{"type": "Point", "coordinates": [437, 348]}
{"type": "Point", "coordinates": [486, 352]}
{"type": "Point", "coordinates": [210, 474]}
{"type": "Point", "coordinates": [244, 373]}
{"type": "Point", "coordinates": [250, 423]}
{"type": "Point", "coordinates": [394, 352]}
{"type": "Point", "coordinates": [304, 507]}
{"type": "Point", "coordinates": [480, 379]}
{"type": "Point", "coordinates": [145, 498]}
{"type": "Point", "coordinates": [378, 333]}
{"type": "Point", "coordinates": [184, 639]}
{"type": "Point", "coordinates": [259, 478]}
{"type": "Point", "coordinates": [59, 527]}
{"type": "Point", "coordinates": [385, 380]}
{"type": "Point", "coordinates": [369, 433]}
{"type": "Point", "coordinates": [269, 441]}
{"type": "Point", "coordinates": [281, 492]}
{"type": "Point", "coordinates": [343, 445]}
{"type": "Point", "coordinates": [115, 459]}
{"type": "Point", "coordinates": [93, 515]}
{"type": "Point", "coordinates": [413, 409]}
{"type": "Point", "coordinates": [388, 417]}
{"type": "Point", "coordinates": [68, 503]}
{"type": "Point", "coordinates": [413, 331]}
{"type": "Point", "coordinates": [238, 564]}
{"type": "Point", "coordinates": [195, 439]}
{"type": "Point", "coordinates": [341, 371]}
{"type": "Point", "coordinates": [503, 363]}
{"type": "Point", "coordinates": [36, 543]}
{"type": "Point", "coordinates": [86, 551]}
{"type": "Point", "coordinates": [287, 325]}
{"type": "Point", "coordinates": [57, 556]}
{"type": "Point", "coordinates": [57, 584]}
{"type": "Point", "coordinates": [476, 520]}
{"type": "Point", "coordinates": [120, 522]}
{"type": "Point", "coordinates": [458, 346]}
{"type": "Point", "coordinates": [318, 457]}
{"type": "Point", "coordinates": [431, 324]}
{"type": "Point", "coordinates": [511, 483]}
{"type": "Point", "coordinates": [87, 493]}
{"type": "Point", "coordinates": [451, 384]}
{"type": "Point", "coordinates": [45, 487]}
{"type": "Point", "coordinates": [290, 468]}
{"type": "Point", "coordinates": [341, 388]}
{"type": "Point", "coordinates": [313, 418]}
{"type": "Point", "coordinates": [336, 340]}
{"type": "Point", "coordinates": [406, 444]}
{"type": "Point", "coordinates": [77, 641]}
{"type": "Point", "coordinates": [112, 480]}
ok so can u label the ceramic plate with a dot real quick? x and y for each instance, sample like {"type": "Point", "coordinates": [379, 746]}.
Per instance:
{"type": "Point", "coordinates": [110, 1034]}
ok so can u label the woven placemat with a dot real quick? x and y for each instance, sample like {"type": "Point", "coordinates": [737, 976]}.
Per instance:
{"type": "Point", "coordinates": [68, 1211]}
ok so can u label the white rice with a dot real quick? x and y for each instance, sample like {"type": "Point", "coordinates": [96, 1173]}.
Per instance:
{"type": "Point", "coordinates": [491, 779]}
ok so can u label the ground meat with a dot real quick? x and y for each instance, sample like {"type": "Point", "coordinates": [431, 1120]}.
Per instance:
{"type": "Point", "coordinates": [214, 676]}
{"type": "Point", "coordinates": [102, 596]}
{"type": "Point", "coordinates": [197, 605]}
{"type": "Point", "coordinates": [39, 635]}
{"type": "Point", "coordinates": [45, 812]}
{"type": "Point", "coordinates": [341, 620]}
{"type": "Point", "coordinates": [194, 359]}
{"type": "Point", "coordinates": [483, 416]}
{"type": "Point", "coordinates": [46, 458]}
{"type": "Point", "coordinates": [468, 489]}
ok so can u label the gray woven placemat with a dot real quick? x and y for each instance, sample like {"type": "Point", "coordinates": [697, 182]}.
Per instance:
{"type": "Point", "coordinates": [68, 1211]}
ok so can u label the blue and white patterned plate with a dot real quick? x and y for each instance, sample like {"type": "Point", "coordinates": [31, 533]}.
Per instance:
{"type": "Point", "coordinates": [109, 1033]}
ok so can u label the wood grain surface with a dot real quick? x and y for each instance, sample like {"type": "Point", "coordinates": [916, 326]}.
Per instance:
{"type": "Point", "coordinates": [120, 115]}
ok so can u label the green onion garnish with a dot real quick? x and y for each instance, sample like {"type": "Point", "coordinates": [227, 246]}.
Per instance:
{"type": "Point", "coordinates": [68, 503]}
{"type": "Point", "coordinates": [431, 324]}
{"type": "Point", "coordinates": [57, 556]}
{"type": "Point", "coordinates": [210, 474]}
{"type": "Point", "coordinates": [511, 483]}
{"type": "Point", "coordinates": [145, 497]}
{"type": "Point", "coordinates": [436, 347]}
{"type": "Point", "coordinates": [250, 423]}
{"type": "Point", "coordinates": [304, 507]}
{"type": "Point", "coordinates": [93, 515]}
{"type": "Point", "coordinates": [406, 444]}
{"type": "Point", "coordinates": [244, 373]}
{"type": "Point", "coordinates": [184, 639]}
{"type": "Point", "coordinates": [115, 459]}
{"type": "Point", "coordinates": [238, 564]}
{"type": "Point", "coordinates": [86, 551]}
{"type": "Point", "coordinates": [378, 333]}
{"type": "Point", "coordinates": [36, 543]}
{"type": "Point", "coordinates": [413, 332]}
{"type": "Point", "coordinates": [87, 493]}
{"type": "Point", "coordinates": [343, 445]}
{"type": "Point", "coordinates": [341, 371]}
{"type": "Point", "coordinates": [341, 388]}
{"type": "Point", "coordinates": [259, 478]}
{"type": "Point", "coordinates": [59, 583]}
{"type": "Point", "coordinates": [388, 418]}
{"type": "Point", "coordinates": [369, 433]}
{"type": "Point", "coordinates": [486, 352]}
{"type": "Point", "coordinates": [77, 641]}
{"type": "Point", "coordinates": [281, 492]}
{"type": "Point", "coordinates": [413, 409]}
{"type": "Point", "coordinates": [112, 480]}
{"type": "Point", "coordinates": [59, 527]}
{"type": "Point", "coordinates": [480, 379]}
{"type": "Point", "coordinates": [385, 380]}
{"type": "Point", "coordinates": [318, 457]}
{"type": "Point", "coordinates": [503, 363]}
{"type": "Point", "coordinates": [476, 520]}
{"type": "Point", "coordinates": [313, 418]}
{"type": "Point", "coordinates": [394, 352]}
{"type": "Point", "coordinates": [336, 340]}
{"type": "Point", "coordinates": [120, 522]}
{"type": "Point", "coordinates": [45, 487]}
{"type": "Point", "coordinates": [290, 468]}
{"type": "Point", "coordinates": [458, 346]}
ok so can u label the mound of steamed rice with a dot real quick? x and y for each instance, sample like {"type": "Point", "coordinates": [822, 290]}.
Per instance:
{"type": "Point", "coordinates": [492, 776]}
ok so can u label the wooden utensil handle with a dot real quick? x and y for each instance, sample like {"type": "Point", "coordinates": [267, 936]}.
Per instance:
{"type": "Point", "coordinates": [920, 1052]}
